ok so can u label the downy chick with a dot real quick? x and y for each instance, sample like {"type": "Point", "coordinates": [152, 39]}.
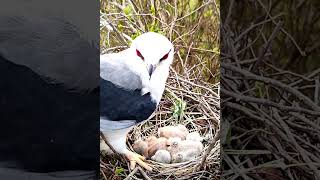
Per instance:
{"type": "Point", "coordinates": [162, 156]}
{"type": "Point", "coordinates": [182, 151]}
{"type": "Point", "coordinates": [155, 144]}
{"type": "Point", "coordinates": [173, 131]}
{"type": "Point", "coordinates": [194, 136]}
{"type": "Point", "coordinates": [141, 147]}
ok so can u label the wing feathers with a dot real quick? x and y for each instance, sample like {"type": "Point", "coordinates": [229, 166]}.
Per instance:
{"type": "Point", "coordinates": [118, 104]}
{"type": "Point", "coordinates": [51, 47]}
{"type": "Point", "coordinates": [113, 69]}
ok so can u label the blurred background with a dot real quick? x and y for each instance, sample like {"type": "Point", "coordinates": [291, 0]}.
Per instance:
{"type": "Point", "coordinates": [270, 72]}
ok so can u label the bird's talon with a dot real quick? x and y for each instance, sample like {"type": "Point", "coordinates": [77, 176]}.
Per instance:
{"type": "Point", "coordinates": [136, 158]}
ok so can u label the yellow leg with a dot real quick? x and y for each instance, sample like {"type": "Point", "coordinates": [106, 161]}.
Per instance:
{"type": "Point", "coordinates": [136, 158]}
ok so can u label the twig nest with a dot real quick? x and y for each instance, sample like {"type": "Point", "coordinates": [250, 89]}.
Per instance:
{"type": "Point", "coordinates": [172, 150]}
{"type": "Point", "coordinates": [175, 145]}
{"type": "Point", "coordinates": [162, 156]}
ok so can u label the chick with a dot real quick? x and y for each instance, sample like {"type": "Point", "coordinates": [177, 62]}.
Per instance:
{"type": "Point", "coordinates": [162, 156]}
{"type": "Point", "coordinates": [172, 143]}
{"type": "Point", "coordinates": [173, 131]}
{"type": "Point", "coordinates": [141, 147]}
{"type": "Point", "coordinates": [183, 156]}
{"type": "Point", "coordinates": [177, 157]}
{"type": "Point", "coordinates": [182, 128]}
{"type": "Point", "coordinates": [194, 136]}
{"type": "Point", "coordinates": [155, 144]}
{"type": "Point", "coordinates": [150, 139]}
{"type": "Point", "coordinates": [182, 151]}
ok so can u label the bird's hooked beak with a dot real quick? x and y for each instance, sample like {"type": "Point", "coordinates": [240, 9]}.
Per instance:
{"type": "Point", "coordinates": [151, 68]}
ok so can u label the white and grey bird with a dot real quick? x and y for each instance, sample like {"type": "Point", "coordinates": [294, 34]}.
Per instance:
{"type": "Point", "coordinates": [131, 86]}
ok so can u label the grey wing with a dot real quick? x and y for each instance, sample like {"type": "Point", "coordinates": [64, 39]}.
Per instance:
{"type": "Point", "coordinates": [52, 47]}
{"type": "Point", "coordinates": [107, 125]}
{"type": "Point", "coordinates": [113, 69]}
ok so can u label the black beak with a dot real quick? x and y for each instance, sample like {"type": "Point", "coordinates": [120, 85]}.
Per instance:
{"type": "Point", "coordinates": [151, 69]}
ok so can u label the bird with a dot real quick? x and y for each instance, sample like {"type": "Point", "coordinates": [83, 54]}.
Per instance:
{"type": "Point", "coordinates": [132, 83]}
{"type": "Point", "coordinates": [155, 144]}
{"type": "Point", "coordinates": [49, 92]}
{"type": "Point", "coordinates": [141, 147]}
{"type": "Point", "coordinates": [194, 136]}
{"type": "Point", "coordinates": [162, 156]}
{"type": "Point", "coordinates": [184, 150]}
{"type": "Point", "coordinates": [179, 131]}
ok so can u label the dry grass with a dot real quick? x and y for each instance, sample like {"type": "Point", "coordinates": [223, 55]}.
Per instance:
{"type": "Point", "coordinates": [192, 92]}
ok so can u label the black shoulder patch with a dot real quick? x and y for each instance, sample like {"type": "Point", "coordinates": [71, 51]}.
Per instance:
{"type": "Point", "coordinates": [46, 118]}
{"type": "Point", "coordinates": [119, 104]}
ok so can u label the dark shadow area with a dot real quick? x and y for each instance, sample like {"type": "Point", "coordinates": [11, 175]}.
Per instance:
{"type": "Point", "coordinates": [270, 90]}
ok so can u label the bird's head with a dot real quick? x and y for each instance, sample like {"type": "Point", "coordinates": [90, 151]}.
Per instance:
{"type": "Point", "coordinates": [153, 55]}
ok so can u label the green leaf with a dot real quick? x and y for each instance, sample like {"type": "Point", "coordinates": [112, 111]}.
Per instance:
{"type": "Point", "coordinates": [120, 27]}
{"type": "Point", "coordinates": [193, 4]}
{"type": "Point", "coordinates": [128, 10]}
{"type": "Point", "coordinates": [216, 50]}
{"type": "Point", "coordinates": [154, 27]}
{"type": "Point", "coordinates": [153, 10]}
{"type": "Point", "coordinates": [178, 108]}
{"type": "Point", "coordinates": [208, 13]}
{"type": "Point", "coordinates": [135, 35]}
{"type": "Point", "coordinates": [119, 171]}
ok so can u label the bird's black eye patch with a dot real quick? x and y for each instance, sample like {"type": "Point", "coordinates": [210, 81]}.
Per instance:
{"type": "Point", "coordinates": [139, 54]}
{"type": "Point", "coordinates": [165, 56]}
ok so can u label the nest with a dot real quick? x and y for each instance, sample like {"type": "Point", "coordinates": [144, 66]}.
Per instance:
{"type": "Point", "coordinates": [186, 169]}
{"type": "Point", "coordinates": [197, 108]}
{"type": "Point", "coordinates": [202, 117]}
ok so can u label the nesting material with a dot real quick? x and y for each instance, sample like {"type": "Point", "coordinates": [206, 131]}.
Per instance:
{"type": "Point", "coordinates": [174, 145]}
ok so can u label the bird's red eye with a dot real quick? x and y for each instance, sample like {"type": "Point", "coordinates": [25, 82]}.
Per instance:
{"type": "Point", "coordinates": [165, 56]}
{"type": "Point", "coordinates": [139, 54]}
